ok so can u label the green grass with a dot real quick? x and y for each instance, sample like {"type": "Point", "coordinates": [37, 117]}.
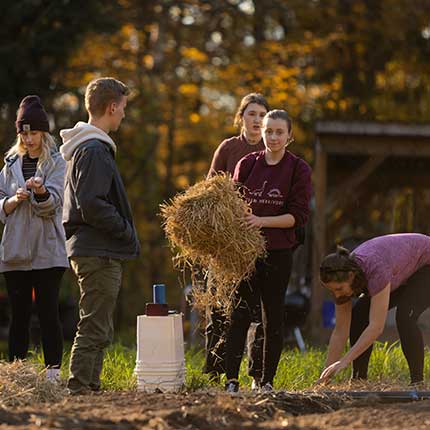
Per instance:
{"type": "Point", "coordinates": [296, 370]}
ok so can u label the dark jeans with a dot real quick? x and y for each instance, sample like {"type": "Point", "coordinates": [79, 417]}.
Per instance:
{"type": "Point", "coordinates": [266, 287]}
{"type": "Point", "coordinates": [216, 331]}
{"type": "Point", "coordinates": [410, 301]}
{"type": "Point", "coordinates": [46, 284]}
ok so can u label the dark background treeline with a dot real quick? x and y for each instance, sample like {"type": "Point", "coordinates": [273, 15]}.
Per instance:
{"type": "Point", "coordinates": [189, 62]}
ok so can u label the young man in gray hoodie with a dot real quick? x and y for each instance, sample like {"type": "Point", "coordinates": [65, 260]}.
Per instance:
{"type": "Point", "coordinates": [99, 227]}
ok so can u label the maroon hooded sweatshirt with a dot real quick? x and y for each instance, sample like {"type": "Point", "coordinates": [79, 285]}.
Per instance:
{"type": "Point", "coordinates": [272, 190]}
{"type": "Point", "coordinates": [229, 152]}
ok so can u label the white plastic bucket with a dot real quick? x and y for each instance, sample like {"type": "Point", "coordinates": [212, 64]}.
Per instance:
{"type": "Point", "coordinates": [160, 363]}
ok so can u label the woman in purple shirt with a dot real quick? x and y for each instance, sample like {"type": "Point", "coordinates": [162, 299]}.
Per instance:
{"type": "Point", "coordinates": [384, 272]}
{"type": "Point", "coordinates": [277, 184]}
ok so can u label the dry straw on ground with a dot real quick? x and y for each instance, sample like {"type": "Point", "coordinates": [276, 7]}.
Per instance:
{"type": "Point", "coordinates": [206, 225]}
{"type": "Point", "coordinates": [370, 386]}
{"type": "Point", "coordinates": [23, 384]}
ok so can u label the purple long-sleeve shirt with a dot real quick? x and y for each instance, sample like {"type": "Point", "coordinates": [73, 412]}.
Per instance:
{"type": "Point", "coordinates": [272, 190]}
{"type": "Point", "coordinates": [392, 259]}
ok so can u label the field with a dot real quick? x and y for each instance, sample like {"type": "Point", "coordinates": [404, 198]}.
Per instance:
{"type": "Point", "coordinates": [296, 404]}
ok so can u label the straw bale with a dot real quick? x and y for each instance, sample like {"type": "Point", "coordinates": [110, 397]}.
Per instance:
{"type": "Point", "coordinates": [207, 228]}
{"type": "Point", "coordinates": [23, 384]}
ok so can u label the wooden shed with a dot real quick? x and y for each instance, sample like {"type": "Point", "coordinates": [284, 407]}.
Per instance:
{"type": "Point", "coordinates": [370, 179]}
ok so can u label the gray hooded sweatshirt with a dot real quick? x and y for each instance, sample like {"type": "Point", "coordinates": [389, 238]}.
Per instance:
{"type": "Point", "coordinates": [33, 236]}
{"type": "Point", "coordinates": [96, 215]}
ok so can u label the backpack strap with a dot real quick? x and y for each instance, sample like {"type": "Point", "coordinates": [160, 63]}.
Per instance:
{"type": "Point", "coordinates": [292, 179]}
{"type": "Point", "coordinates": [248, 173]}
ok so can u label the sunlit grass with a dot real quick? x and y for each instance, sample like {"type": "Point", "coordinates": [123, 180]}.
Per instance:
{"type": "Point", "coordinates": [296, 370]}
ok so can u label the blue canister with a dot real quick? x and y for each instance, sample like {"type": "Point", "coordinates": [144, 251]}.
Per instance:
{"type": "Point", "coordinates": [328, 314]}
{"type": "Point", "coordinates": [159, 293]}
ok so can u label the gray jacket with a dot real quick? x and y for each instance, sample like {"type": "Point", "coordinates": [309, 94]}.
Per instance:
{"type": "Point", "coordinates": [33, 235]}
{"type": "Point", "coordinates": [97, 216]}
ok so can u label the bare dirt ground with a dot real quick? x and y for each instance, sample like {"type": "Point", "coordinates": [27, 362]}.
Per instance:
{"type": "Point", "coordinates": [214, 409]}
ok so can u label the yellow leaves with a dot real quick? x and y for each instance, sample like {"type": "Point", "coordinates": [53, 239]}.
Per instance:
{"type": "Point", "coordinates": [343, 105]}
{"type": "Point", "coordinates": [287, 72]}
{"type": "Point", "coordinates": [194, 118]}
{"type": "Point", "coordinates": [128, 30]}
{"type": "Point", "coordinates": [67, 101]}
{"type": "Point", "coordinates": [182, 182]}
{"type": "Point", "coordinates": [188, 89]}
{"type": "Point", "coordinates": [337, 83]}
{"type": "Point", "coordinates": [148, 61]}
{"type": "Point", "coordinates": [309, 72]}
{"type": "Point", "coordinates": [314, 91]}
{"type": "Point", "coordinates": [194, 54]}
{"type": "Point", "coordinates": [331, 104]}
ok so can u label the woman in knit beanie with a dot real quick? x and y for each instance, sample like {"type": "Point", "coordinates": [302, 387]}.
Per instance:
{"type": "Point", "coordinates": [32, 251]}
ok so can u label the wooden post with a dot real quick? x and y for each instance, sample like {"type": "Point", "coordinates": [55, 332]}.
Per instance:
{"type": "Point", "coordinates": [319, 238]}
{"type": "Point", "coordinates": [343, 192]}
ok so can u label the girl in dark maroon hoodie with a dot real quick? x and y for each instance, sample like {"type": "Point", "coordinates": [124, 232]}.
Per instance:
{"type": "Point", "coordinates": [249, 116]}
{"type": "Point", "coordinates": [278, 186]}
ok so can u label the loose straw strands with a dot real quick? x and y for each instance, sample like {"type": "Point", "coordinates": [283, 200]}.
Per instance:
{"type": "Point", "coordinates": [206, 225]}
{"type": "Point", "coordinates": [22, 384]}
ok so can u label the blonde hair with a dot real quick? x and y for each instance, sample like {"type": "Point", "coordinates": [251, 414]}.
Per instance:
{"type": "Point", "coordinates": [48, 145]}
{"type": "Point", "coordinates": [101, 92]}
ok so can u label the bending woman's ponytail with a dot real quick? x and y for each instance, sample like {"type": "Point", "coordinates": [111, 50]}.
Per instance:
{"type": "Point", "coordinates": [336, 267]}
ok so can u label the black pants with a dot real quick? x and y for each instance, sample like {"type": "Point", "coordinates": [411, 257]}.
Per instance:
{"type": "Point", "coordinates": [267, 286]}
{"type": "Point", "coordinates": [216, 332]}
{"type": "Point", "coordinates": [410, 301]}
{"type": "Point", "coordinates": [46, 284]}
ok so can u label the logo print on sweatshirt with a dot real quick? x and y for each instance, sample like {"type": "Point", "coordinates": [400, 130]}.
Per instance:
{"type": "Point", "coordinates": [275, 192]}
{"type": "Point", "coordinates": [259, 191]}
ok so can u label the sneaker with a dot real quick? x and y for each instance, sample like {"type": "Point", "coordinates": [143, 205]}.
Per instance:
{"type": "Point", "coordinates": [267, 387]}
{"type": "Point", "coordinates": [418, 386]}
{"type": "Point", "coordinates": [74, 388]}
{"type": "Point", "coordinates": [53, 374]}
{"type": "Point", "coordinates": [95, 387]}
{"type": "Point", "coordinates": [232, 386]}
{"type": "Point", "coordinates": [255, 384]}
{"type": "Point", "coordinates": [78, 392]}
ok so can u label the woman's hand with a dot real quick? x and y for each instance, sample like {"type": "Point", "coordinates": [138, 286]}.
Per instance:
{"type": "Point", "coordinates": [254, 220]}
{"type": "Point", "coordinates": [36, 183]}
{"type": "Point", "coordinates": [12, 202]}
{"type": "Point", "coordinates": [21, 195]}
{"type": "Point", "coordinates": [332, 370]}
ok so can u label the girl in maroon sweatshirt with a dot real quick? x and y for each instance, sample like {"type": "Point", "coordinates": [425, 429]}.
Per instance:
{"type": "Point", "coordinates": [249, 116]}
{"type": "Point", "coordinates": [278, 186]}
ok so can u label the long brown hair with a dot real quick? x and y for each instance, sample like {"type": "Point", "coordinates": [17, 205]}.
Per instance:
{"type": "Point", "coordinates": [245, 102]}
{"type": "Point", "coordinates": [337, 266]}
